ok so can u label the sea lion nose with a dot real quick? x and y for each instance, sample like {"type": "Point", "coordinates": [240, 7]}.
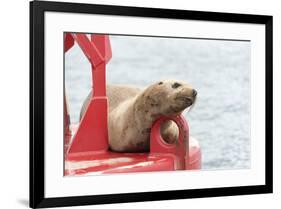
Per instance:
{"type": "Point", "coordinates": [194, 92]}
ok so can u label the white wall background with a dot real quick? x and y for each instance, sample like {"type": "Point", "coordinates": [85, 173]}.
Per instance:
{"type": "Point", "coordinates": [14, 89]}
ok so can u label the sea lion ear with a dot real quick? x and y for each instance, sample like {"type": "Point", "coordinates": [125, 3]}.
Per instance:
{"type": "Point", "coordinates": [160, 83]}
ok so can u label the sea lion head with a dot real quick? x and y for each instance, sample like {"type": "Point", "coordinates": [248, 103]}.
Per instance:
{"type": "Point", "coordinates": [168, 97]}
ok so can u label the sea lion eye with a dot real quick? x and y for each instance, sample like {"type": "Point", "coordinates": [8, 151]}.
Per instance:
{"type": "Point", "coordinates": [176, 85]}
{"type": "Point", "coordinates": [160, 83]}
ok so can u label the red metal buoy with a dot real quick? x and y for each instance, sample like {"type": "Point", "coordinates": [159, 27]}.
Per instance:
{"type": "Point", "coordinates": [86, 144]}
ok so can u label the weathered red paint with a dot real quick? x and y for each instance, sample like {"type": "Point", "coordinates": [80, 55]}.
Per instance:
{"type": "Point", "coordinates": [86, 144]}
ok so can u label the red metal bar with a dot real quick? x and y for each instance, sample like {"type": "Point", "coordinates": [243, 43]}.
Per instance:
{"type": "Point", "coordinates": [92, 132]}
{"type": "Point", "coordinates": [98, 77]}
{"type": "Point", "coordinates": [89, 49]}
{"type": "Point", "coordinates": [68, 41]}
{"type": "Point", "coordinates": [102, 42]}
{"type": "Point", "coordinates": [158, 145]}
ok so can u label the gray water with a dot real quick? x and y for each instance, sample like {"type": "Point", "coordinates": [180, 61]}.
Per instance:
{"type": "Point", "coordinates": [219, 71]}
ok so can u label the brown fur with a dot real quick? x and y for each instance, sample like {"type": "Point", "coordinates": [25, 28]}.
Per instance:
{"type": "Point", "coordinates": [133, 111]}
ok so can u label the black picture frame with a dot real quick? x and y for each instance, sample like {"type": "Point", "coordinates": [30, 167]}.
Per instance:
{"type": "Point", "coordinates": [37, 101]}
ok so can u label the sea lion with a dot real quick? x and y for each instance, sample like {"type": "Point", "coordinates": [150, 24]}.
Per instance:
{"type": "Point", "coordinates": [132, 112]}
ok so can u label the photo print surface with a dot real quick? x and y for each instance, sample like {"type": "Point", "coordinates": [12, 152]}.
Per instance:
{"type": "Point", "coordinates": [217, 114]}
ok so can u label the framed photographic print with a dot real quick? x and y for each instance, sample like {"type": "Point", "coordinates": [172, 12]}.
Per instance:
{"type": "Point", "coordinates": [135, 104]}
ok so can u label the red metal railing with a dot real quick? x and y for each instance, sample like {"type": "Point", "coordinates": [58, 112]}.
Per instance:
{"type": "Point", "coordinates": [92, 131]}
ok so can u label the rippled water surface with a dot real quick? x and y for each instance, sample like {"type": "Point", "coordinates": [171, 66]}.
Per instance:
{"type": "Point", "coordinates": [218, 70]}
